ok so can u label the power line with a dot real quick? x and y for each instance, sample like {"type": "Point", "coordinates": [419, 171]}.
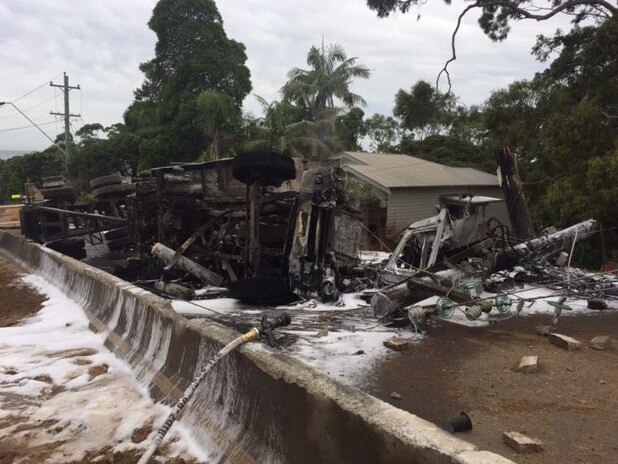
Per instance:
{"type": "Point", "coordinates": [28, 126]}
{"type": "Point", "coordinates": [27, 109]}
{"type": "Point", "coordinates": [35, 89]}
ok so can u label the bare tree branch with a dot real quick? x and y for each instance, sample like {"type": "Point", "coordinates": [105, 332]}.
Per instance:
{"type": "Point", "coordinates": [598, 5]}
{"type": "Point", "coordinates": [453, 49]}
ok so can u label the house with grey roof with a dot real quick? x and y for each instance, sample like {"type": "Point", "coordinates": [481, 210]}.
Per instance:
{"type": "Point", "coordinates": [409, 188]}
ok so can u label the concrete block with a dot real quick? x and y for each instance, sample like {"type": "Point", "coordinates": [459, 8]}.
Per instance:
{"type": "Point", "coordinates": [543, 330]}
{"type": "Point", "coordinates": [397, 343]}
{"type": "Point", "coordinates": [323, 332]}
{"type": "Point", "coordinates": [602, 342]}
{"type": "Point", "coordinates": [564, 341]}
{"type": "Point", "coordinates": [528, 364]}
{"type": "Point", "coordinates": [522, 443]}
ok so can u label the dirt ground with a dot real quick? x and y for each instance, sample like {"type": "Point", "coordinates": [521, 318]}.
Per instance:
{"type": "Point", "coordinates": [570, 403]}
{"type": "Point", "coordinates": [17, 302]}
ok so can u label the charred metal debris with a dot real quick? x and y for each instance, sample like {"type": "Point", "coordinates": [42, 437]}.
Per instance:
{"type": "Point", "coordinates": [268, 229]}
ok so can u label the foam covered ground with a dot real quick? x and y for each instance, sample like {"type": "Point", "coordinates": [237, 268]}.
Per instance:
{"type": "Point", "coordinates": [65, 398]}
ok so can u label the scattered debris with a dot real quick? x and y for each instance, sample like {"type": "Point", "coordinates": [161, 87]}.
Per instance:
{"type": "Point", "coordinates": [563, 341]}
{"type": "Point", "coordinates": [323, 332]}
{"type": "Point", "coordinates": [395, 396]}
{"type": "Point", "coordinates": [167, 255]}
{"type": "Point", "coordinates": [528, 364]}
{"type": "Point", "coordinates": [397, 343]}
{"type": "Point", "coordinates": [177, 290]}
{"type": "Point", "coordinates": [602, 342]}
{"type": "Point", "coordinates": [599, 305]}
{"type": "Point", "coordinates": [522, 443]}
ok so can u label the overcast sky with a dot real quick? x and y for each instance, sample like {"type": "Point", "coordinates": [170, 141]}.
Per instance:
{"type": "Point", "coordinates": [100, 44]}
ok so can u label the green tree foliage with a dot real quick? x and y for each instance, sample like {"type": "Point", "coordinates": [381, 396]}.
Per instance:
{"type": "Point", "coordinates": [192, 55]}
{"type": "Point", "coordinates": [383, 134]}
{"type": "Point", "coordinates": [563, 125]}
{"type": "Point", "coordinates": [424, 109]}
{"type": "Point", "coordinates": [102, 151]}
{"type": "Point", "coordinates": [350, 127]}
{"type": "Point", "coordinates": [308, 120]}
{"type": "Point", "coordinates": [327, 80]}
{"type": "Point", "coordinates": [449, 150]}
{"type": "Point", "coordinates": [496, 15]}
{"type": "Point", "coordinates": [282, 128]}
{"type": "Point", "coordinates": [32, 167]}
{"type": "Point", "coordinates": [221, 118]}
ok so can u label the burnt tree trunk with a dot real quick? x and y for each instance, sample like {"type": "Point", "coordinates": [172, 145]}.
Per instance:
{"type": "Point", "coordinates": [513, 190]}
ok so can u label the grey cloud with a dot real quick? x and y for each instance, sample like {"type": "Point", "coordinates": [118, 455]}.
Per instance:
{"type": "Point", "coordinates": [101, 43]}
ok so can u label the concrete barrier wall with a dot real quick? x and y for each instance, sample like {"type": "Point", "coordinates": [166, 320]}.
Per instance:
{"type": "Point", "coordinates": [259, 405]}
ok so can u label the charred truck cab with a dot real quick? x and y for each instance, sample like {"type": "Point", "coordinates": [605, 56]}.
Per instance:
{"type": "Point", "coordinates": [269, 227]}
{"type": "Point", "coordinates": [272, 227]}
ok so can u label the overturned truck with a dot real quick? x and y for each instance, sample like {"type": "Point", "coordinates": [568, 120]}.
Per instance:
{"type": "Point", "coordinates": [266, 225]}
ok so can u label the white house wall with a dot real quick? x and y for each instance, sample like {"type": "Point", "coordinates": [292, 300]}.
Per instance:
{"type": "Point", "coordinates": [407, 205]}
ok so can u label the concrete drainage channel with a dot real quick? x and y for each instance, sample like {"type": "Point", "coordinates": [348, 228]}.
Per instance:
{"type": "Point", "coordinates": [258, 405]}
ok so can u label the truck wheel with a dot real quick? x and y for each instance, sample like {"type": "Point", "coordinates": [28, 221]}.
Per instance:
{"type": "Point", "coordinates": [262, 291]}
{"type": "Point", "coordinates": [66, 193]}
{"type": "Point", "coordinates": [116, 190]}
{"type": "Point", "coordinates": [120, 243]}
{"type": "Point", "coordinates": [105, 180]}
{"type": "Point", "coordinates": [269, 167]}
{"type": "Point", "coordinates": [117, 233]}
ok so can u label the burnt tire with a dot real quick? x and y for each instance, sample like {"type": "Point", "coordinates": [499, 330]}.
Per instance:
{"type": "Point", "coordinates": [66, 193]}
{"type": "Point", "coordinates": [120, 243]}
{"type": "Point", "coordinates": [117, 233]}
{"type": "Point", "coordinates": [116, 190]}
{"type": "Point", "coordinates": [105, 180]}
{"type": "Point", "coordinates": [268, 167]}
{"type": "Point", "coordinates": [262, 291]}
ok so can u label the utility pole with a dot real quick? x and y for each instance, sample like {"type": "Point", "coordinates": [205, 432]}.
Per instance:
{"type": "Point", "coordinates": [67, 114]}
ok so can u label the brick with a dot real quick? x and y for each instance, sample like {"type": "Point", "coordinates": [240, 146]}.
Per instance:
{"type": "Point", "coordinates": [528, 364]}
{"type": "Point", "coordinates": [602, 342]}
{"type": "Point", "coordinates": [522, 443]}
{"type": "Point", "coordinates": [564, 341]}
{"type": "Point", "coordinates": [397, 343]}
{"type": "Point", "coordinates": [543, 330]}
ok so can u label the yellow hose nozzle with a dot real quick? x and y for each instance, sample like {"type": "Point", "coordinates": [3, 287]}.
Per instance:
{"type": "Point", "coordinates": [250, 336]}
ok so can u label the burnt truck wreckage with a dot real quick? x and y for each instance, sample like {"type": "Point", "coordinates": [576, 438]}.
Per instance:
{"type": "Point", "coordinates": [268, 229]}
{"type": "Point", "coordinates": [483, 275]}
{"type": "Point", "coordinates": [268, 226]}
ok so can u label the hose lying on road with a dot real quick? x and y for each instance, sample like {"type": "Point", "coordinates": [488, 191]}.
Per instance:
{"type": "Point", "coordinates": [251, 335]}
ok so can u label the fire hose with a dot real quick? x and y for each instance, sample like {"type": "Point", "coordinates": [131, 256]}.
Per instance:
{"type": "Point", "coordinates": [266, 329]}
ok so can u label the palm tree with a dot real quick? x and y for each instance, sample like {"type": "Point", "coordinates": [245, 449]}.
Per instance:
{"type": "Point", "coordinates": [329, 77]}
{"type": "Point", "coordinates": [283, 129]}
{"type": "Point", "coordinates": [220, 116]}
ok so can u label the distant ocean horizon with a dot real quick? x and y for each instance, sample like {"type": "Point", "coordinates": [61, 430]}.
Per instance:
{"type": "Point", "coordinates": [6, 154]}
